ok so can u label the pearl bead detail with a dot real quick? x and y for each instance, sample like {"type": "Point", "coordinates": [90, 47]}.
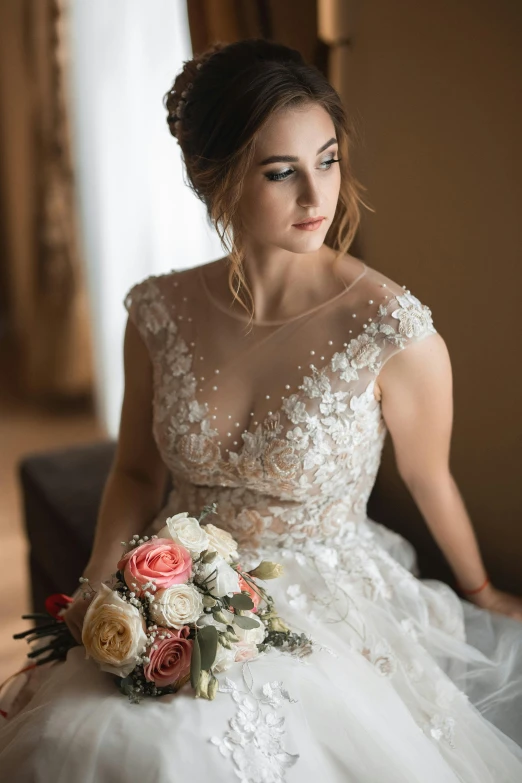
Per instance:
{"type": "Point", "coordinates": [215, 388]}
{"type": "Point", "coordinates": [216, 372]}
{"type": "Point", "coordinates": [267, 396]}
{"type": "Point", "coordinates": [312, 353]}
{"type": "Point", "coordinates": [214, 416]}
{"type": "Point", "coordinates": [330, 342]}
{"type": "Point", "coordinates": [353, 315]}
{"type": "Point", "coordinates": [229, 415]}
{"type": "Point", "coordinates": [370, 301]}
{"type": "Point", "coordinates": [229, 434]}
{"type": "Point", "coordinates": [287, 386]}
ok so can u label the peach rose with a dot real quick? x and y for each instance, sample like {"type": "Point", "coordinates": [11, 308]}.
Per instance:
{"type": "Point", "coordinates": [113, 632]}
{"type": "Point", "coordinates": [161, 561]}
{"type": "Point", "coordinates": [170, 662]}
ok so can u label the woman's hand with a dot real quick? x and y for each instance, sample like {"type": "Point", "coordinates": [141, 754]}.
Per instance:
{"type": "Point", "coordinates": [74, 615]}
{"type": "Point", "coordinates": [498, 601]}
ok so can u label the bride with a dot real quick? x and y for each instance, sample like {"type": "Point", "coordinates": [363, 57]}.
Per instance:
{"type": "Point", "coordinates": [265, 382]}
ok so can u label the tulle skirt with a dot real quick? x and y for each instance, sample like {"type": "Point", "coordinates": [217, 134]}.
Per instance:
{"type": "Point", "coordinates": [405, 683]}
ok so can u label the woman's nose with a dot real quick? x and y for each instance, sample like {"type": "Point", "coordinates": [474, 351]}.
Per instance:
{"type": "Point", "coordinates": [309, 193]}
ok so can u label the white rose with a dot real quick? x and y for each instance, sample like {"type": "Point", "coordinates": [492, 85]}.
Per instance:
{"type": "Point", "coordinates": [186, 531]}
{"type": "Point", "coordinates": [176, 606]}
{"type": "Point", "coordinates": [221, 578]}
{"type": "Point", "coordinates": [113, 632]}
{"type": "Point", "coordinates": [224, 659]}
{"type": "Point", "coordinates": [222, 542]}
{"type": "Point", "coordinates": [251, 635]}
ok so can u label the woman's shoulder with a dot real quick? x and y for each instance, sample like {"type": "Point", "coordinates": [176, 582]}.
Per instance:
{"type": "Point", "coordinates": [404, 309]}
{"type": "Point", "coordinates": [165, 286]}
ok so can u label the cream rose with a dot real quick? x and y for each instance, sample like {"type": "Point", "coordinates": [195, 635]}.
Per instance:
{"type": "Point", "coordinates": [113, 632]}
{"type": "Point", "coordinates": [186, 531]}
{"type": "Point", "coordinates": [176, 606]}
{"type": "Point", "coordinates": [221, 541]}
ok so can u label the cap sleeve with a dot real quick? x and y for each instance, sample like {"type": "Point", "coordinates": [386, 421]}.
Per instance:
{"type": "Point", "coordinates": [147, 310]}
{"type": "Point", "coordinates": [402, 321]}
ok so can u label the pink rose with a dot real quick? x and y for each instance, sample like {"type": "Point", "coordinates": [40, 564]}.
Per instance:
{"type": "Point", "coordinates": [244, 585]}
{"type": "Point", "coordinates": [170, 663]}
{"type": "Point", "coordinates": [162, 561]}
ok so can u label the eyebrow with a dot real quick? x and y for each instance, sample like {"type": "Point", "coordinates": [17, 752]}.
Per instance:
{"type": "Point", "coordinates": [293, 159]}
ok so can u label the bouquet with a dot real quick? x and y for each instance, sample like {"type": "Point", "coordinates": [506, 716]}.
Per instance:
{"type": "Point", "coordinates": [181, 608]}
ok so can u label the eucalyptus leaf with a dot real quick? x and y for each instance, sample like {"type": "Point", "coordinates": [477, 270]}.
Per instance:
{"type": "Point", "coordinates": [195, 663]}
{"type": "Point", "coordinates": [208, 639]}
{"type": "Point", "coordinates": [246, 622]}
{"type": "Point", "coordinates": [241, 601]}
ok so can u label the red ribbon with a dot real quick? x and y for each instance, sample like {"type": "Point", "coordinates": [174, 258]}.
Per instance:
{"type": "Point", "coordinates": [56, 603]}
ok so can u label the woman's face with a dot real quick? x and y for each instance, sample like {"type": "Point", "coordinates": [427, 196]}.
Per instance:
{"type": "Point", "coordinates": [294, 176]}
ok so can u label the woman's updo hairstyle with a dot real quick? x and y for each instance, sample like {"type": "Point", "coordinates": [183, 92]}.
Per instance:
{"type": "Point", "coordinates": [216, 107]}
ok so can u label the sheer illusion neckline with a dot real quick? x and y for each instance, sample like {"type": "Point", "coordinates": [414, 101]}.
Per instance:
{"type": "Point", "coordinates": [311, 310]}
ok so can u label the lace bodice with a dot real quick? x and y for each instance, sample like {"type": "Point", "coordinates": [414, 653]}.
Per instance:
{"type": "Point", "coordinates": [280, 426]}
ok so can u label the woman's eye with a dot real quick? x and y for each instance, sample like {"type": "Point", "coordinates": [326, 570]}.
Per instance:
{"type": "Point", "coordinates": [277, 176]}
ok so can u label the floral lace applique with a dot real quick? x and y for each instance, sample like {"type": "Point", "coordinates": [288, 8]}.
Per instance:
{"type": "Point", "coordinates": [382, 657]}
{"type": "Point", "coordinates": [255, 739]}
{"type": "Point", "coordinates": [441, 727]}
{"type": "Point", "coordinates": [319, 452]}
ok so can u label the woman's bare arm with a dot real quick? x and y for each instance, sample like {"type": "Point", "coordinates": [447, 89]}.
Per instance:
{"type": "Point", "coordinates": [416, 388]}
{"type": "Point", "coordinates": [136, 484]}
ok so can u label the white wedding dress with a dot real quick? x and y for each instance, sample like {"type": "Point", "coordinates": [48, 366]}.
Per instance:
{"type": "Point", "coordinates": [406, 683]}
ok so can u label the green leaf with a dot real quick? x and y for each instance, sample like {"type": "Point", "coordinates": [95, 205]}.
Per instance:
{"type": "Point", "coordinates": [241, 601]}
{"type": "Point", "coordinates": [208, 640]}
{"type": "Point", "coordinates": [246, 622]}
{"type": "Point", "coordinates": [195, 663]}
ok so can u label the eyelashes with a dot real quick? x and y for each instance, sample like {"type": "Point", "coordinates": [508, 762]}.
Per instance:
{"type": "Point", "coordinates": [282, 175]}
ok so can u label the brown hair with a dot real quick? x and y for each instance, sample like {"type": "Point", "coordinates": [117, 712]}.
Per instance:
{"type": "Point", "coordinates": [228, 93]}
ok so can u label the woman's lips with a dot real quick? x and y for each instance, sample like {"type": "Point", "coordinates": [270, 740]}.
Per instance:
{"type": "Point", "coordinates": [309, 226]}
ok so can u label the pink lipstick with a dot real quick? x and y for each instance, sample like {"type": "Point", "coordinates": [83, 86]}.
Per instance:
{"type": "Point", "coordinates": [311, 224]}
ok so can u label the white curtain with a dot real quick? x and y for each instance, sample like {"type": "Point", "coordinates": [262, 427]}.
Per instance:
{"type": "Point", "coordinates": [136, 214]}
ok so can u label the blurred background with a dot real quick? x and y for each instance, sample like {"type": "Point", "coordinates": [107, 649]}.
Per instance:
{"type": "Point", "coordinates": [92, 200]}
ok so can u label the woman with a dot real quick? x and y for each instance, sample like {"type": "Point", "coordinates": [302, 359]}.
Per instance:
{"type": "Point", "coordinates": [266, 382]}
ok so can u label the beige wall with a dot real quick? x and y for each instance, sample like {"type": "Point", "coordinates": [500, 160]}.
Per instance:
{"type": "Point", "coordinates": [435, 90]}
